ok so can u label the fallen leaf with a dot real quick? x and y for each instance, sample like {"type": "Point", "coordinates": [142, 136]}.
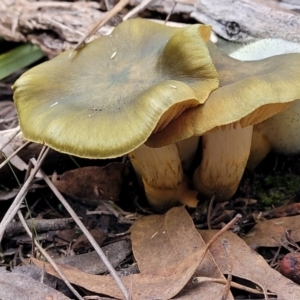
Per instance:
{"type": "Point", "coordinates": [249, 265]}
{"type": "Point", "coordinates": [92, 182]}
{"type": "Point", "coordinates": [17, 286]}
{"type": "Point", "coordinates": [141, 286]}
{"type": "Point", "coordinates": [82, 243]}
{"type": "Point", "coordinates": [174, 264]}
{"type": "Point", "coordinates": [265, 233]}
{"type": "Point", "coordinates": [285, 210]}
{"type": "Point", "coordinates": [159, 242]}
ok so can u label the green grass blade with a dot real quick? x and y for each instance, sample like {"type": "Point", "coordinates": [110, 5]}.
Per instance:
{"type": "Point", "coordinates": [19, 58]}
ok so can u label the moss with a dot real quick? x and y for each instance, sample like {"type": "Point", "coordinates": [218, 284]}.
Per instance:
{"type": "Point", "coordinates": [273, 189]}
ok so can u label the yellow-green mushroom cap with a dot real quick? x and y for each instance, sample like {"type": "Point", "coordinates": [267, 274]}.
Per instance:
{"type": "Point", "coordinates": [109, 96]}
{"type": "Point", "coordinates": [250, 92]}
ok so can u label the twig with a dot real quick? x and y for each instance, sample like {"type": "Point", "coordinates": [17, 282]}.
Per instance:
{"type": "Point", "coordinates": [8, 119]}
{"type": "Point", "coordinates": [87, 234]}
{"type": "Point", "coordinates": [48, 257]}
{"type": "Point", "coordinates": [13, 154]}
{"type": "Point", "coordinates": [209, 211]}
{"type": "Point", "coordinates": [22, 193]}
{"type": "Point", "coordinates": [229, 278]}
{"type": "Point", "coordinates": [219, 233]}
{"type": "Point", "coordinates": [233, 284]}
{"type": "Point", "coordinates": [40, 225]}
{"type": "Point", "coordinates": [16, 131]}
{"type": "Point", "coordinates": [170, 13]}
{"type": "Point", "coordinates": [136, 10]}
{"type": "Point", "coordinates": [102, 22]}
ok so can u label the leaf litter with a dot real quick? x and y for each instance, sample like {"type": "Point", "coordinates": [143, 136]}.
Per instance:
{"type": "Point", "coordinates": [93, 182]}
{"type": "Point", "coordinates": [168, 253]}
{"type": "Point", "coordinates": [268, 233]}
{"type": "Point", "coordinates": [247, 264]}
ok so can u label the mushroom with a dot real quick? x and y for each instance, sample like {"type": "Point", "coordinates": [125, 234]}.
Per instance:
{"type": "Point", "coordinates": [108, 97]}
{"type": "Point", "coordinates": [249, 93]}
{"type": "Point", "coordinates": [282, 131]}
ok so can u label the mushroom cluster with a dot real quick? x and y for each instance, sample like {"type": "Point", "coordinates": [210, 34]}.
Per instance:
{"type": "Point", "coordinates": [249, 93]}
{"type": "Point", "coordinates": [149, 83]}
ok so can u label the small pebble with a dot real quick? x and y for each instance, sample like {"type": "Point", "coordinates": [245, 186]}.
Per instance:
{"type": "Point", "coordinates": [290, 267]}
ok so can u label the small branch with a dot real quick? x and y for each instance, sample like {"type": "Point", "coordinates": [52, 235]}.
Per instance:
{"type": "Point", "coordinates": [219, 233]}
{"type": "Point", "coordinates": [40, 225]}
{"type": "Point", "coordinates": [233, 284]}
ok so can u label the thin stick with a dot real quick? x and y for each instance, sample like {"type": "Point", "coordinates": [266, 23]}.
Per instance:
{"type": "Point", "coordinates": [136, 10]}
{"type": "Point", "coordinates": [219, 233]}
{"type": "Point", "coordinates": [170, 13]}
{"type": "Point", "coordinates": [13, 209]}
{"type": "Point", "coordinates": [209, 211]}
{"type": "Point", "coordinates": [87, 234]}
{"type": "Point", "coordinates": [11, 138]}
{"type": "Point", "coordinates": [229, 278]}
{"type": "Point", "coordinates": [13, 154]}
{"type": "Point", "coordinates": [117, 8]}
{"type": "Point", "coordinates": [48, 257]}
{"type": "Point", "coordinates": [233, 284]}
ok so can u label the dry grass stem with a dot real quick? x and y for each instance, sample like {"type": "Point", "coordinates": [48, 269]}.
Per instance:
{"type": "Point", "coordinates": [13, 154]}
{"type": "Point", "coordinates": [13, 209]}
{"type": "Point", "coordinates": [135, 11]}
{"type": "Point", "coordinates": [12, 133]}
{"type": "Point", "coordinates": [170, 13]}
{"type": "Point", "coordinates": [87, 234]}
{"type": "Point", "coordinates": [48, 257]}
{"type": "Point", "coordinates": [209, 211]}
{"type": "Point", "coordinates": [219, 233]}
{"type": "Point", "coordinates": [233, 284]}
{"type": "Point", "coordinates": [117, 8]}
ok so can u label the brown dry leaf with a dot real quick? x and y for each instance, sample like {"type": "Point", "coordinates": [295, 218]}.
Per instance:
{"type": "Point", "coordinates": [160, 242]}
{"type": "Point", "coordinates": [163, 273]}
{"type": "Point", "coordinates": [87, 182]}
{"type": "Point", "coordinates": [141, 286]}
{"type": "Point", "coordinates": [265, 233]}
{"type": "Point", "coordinates": [285, 210]}
{"type": "Point", "coordinates": [82, 243]}
{"type": "Point", "coordinates": [249, 265]}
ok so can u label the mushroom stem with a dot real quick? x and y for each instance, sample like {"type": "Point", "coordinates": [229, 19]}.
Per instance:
{"type": "Point", "coordinates": [260, 147]}
{"type": "Point", "coordinates": [225, 154]}
{"type": "Point", "coordinates": [162, 176]}
{"type": "Point", "coordinates": [187, 149]}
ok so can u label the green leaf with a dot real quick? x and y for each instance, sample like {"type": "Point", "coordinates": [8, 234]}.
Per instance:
{"type": "Point", "coordinates": [18, 58]}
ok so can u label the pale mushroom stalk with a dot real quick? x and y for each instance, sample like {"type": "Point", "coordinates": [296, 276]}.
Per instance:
{"type": "Point", "coordinates": [162, 176]}
{"type": "Point", "coordinates": [225, 153]}
{"type": "Point", "coordinates": [187, 149]}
